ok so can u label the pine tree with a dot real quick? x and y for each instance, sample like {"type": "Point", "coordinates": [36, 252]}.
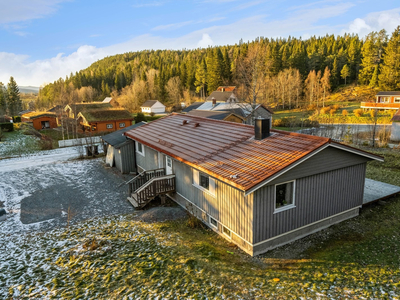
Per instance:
{"type": "Point", "coordinates": [13, 100]}
{"type": "Point", "coordinates": [389, 79]}
{"type": "Point", "coordinates": [214, 68]}
{"type": "Point", "coordinates": [3, 99]}
{"type": "Point", "coordinates": [345, 73]}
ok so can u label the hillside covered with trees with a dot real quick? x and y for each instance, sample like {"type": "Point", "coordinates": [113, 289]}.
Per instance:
{"type": "Point", "coordinates": [283, 72]}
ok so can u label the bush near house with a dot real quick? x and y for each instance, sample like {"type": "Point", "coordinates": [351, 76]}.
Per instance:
{"type": "Point", "coordinates": [7, 126]}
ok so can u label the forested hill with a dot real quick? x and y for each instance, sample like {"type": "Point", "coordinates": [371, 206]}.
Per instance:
{"type": "Point", "coordinates": [171, 76]}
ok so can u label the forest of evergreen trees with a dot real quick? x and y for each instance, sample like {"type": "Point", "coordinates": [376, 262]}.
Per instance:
{"type": "Point", "coordinates": [284, 72]}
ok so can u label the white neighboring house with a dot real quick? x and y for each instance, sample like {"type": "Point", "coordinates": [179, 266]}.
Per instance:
{"type": "Point", "coordinates": [153, 106]}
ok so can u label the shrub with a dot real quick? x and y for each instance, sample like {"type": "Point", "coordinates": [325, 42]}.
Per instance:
{"type": "Point", "coordinates": [325, 110]}
{"type": "Point", "coordinates": [358, 112]}
{"type": "Point", "coordinates": [46, 143]}
{"type": "Point", "coordinates": [332, 111]}
{"type": "Point", "coordinates": [344, 113]}
{"type": "Point", "coordinates": [311, 107]}
{"type": "Point", "coordinates": [140, 117]}
{"type": "Point", "coordinates": [373, 113]}
{"type": "Point", "coordinates": [17, 119]}
{"type": "Point", "coordinates": [336, 107]}
{"type": "Point", "coordinates": [7, 126]}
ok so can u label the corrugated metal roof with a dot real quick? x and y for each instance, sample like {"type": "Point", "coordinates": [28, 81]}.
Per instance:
{"type": "Point", "coordinates": [225, 150]}
{"type": "Point", "coordinates": [396, 117]}
{"type": "Point", "coordinates": [118, 137]}
{"type": "Point", "coordinates": [192, 106]}
{"type": "Point", "coordinates": [216, 115]}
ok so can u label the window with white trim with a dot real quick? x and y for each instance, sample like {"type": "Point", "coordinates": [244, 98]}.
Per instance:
{"type": "Point", "coordinates": [213, 222]}
{"type": "Point", "coordinates": [397, 100]}
{"type": "Point", "coordinates": [226, 231]}
{"type": "Point", "coordinates": [204, 182]}
{"type": "Point", "coordinates": [284, 195]}
{"type": "Point", "coordinates": [109, 126]}
{"type": "Point", "coordinates": [121, 124]}
{"type": "Point", "coordinates": [139, 148]}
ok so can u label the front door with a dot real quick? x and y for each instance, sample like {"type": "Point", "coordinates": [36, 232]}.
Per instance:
{"type": "Point", "coordinates": [168, 165]}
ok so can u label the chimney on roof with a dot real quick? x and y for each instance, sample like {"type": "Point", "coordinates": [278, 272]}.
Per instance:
{"type": "Point", "coordinates": [222, 89]}
{"type": "Point", "coordinates": [262, 128]}
{"type": "Point", "coordinates": [214, 101]}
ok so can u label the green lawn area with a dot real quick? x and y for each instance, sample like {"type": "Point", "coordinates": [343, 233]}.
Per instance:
{"type": "Point", "coordinates": [122, 258]}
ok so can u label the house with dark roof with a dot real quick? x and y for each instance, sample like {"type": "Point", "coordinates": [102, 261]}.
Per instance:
{"type": "Point", "coordinates": [217, 115]}
{"type": "Point", "coordinates": [257, 187]}
{"type": "Point", "coordinates": [153, 106]}
{"type": "Point", "coordinates": [384, 100]}
{"type": "Point", "coordinates": [102, 120]}
{"type": "Point", "coordinates": [119, 149]}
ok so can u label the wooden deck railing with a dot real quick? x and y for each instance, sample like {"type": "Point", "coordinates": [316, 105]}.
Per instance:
{"type": "Point", "coordinates": [380, 105]}
{"type": "Point", "coordinates": [154, 187]}
{"type": "Point", "coordinates": [140, 179]}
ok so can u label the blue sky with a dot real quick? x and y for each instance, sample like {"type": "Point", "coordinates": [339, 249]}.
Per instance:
{"type": "Point", "coordinates": [42, 40]}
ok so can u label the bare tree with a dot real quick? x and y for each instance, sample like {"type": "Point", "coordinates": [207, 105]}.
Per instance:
{"type": "Point", "coordinates": [326, 84]}
{"type": "Point", "coordinates": [174, 90]}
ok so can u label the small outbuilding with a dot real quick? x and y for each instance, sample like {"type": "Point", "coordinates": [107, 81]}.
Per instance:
{"type": "Point", "coordinates": [41, 120]}
{"type": "Point", "coordinates": [153, 106]}
{"type": "Point", "coordinates": [101, 120]}
{"type": "Point", "coordinates": [120, 150]}
{"type": "Point", "coordinates": [395, 132]}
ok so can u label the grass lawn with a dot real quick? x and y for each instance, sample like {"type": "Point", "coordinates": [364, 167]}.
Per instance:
{"type": "Point", "coordinates": [122, 258]}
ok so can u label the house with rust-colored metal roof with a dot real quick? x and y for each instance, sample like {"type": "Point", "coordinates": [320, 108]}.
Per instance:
{"type": "Point", "coordinates": [258, 187]}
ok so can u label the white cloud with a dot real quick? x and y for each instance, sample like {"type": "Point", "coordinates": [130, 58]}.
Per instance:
{"type": "Point", "coordinates": [37, 72]}
{"type": "Point", "coordinates": [23, 10]}
{"type": "Point", "coordinates": [172, 26]}
{"type": "Point", "coordinates": [388, 20]}
{"type": "Point", "coordinates": [205, 41]}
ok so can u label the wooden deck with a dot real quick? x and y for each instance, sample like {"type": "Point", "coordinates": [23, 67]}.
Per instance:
{"type": "Point", "coordinates": [147, 185]}
{"type": "Point", "coordinates": [380, 105]}
{"type": "Point", "coordinates": [376, 190]}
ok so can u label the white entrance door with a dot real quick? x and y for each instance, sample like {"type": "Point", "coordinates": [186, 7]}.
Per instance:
{"type": "Point", "coordinates": [168, 165]}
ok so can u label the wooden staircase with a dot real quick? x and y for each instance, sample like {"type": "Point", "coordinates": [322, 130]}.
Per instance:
{"type": "Point", "coordinates": [147, 185]}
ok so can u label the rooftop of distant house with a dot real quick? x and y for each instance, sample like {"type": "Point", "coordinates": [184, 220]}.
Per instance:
{"type": "Point", "coordinates": [98, 115]}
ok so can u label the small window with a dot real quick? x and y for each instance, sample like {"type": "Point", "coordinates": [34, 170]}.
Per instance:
{"type": "Point", "coordinates": [139, 148]}
{"type": "Point", "coordinates": [109, 126]}
{"type": "Point", "coordinates": [284, 195]}
{"type": "Point", "coordinates": [397, 100]}
{"type": "Point", "coordinates": [226, 231]}
{"type": "Point", "coordinates": [121, 124]}
{"type": "Point", "coordinates": [204, 181]}
{"type": "Point", "coordinates": [169, 162]}
{"type": "Point", "coordinates": [213, 222]}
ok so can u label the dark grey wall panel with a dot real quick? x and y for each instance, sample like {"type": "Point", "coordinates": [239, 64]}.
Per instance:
{"type": "Point", "coordinates": [316, 197]}
{"type": "Point", "coordinates": [326, 160]}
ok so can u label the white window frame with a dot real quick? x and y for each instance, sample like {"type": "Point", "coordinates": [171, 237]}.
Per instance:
{"type": "Point", "coordinates": [396, 99]}
{"type": "Point", "coordinates": [137, 148]}
{"type": "Point", "coordinates": [289, 206]}
{"type": "Point", "coordinates": [224, 228]}
{"type": "Point", "coordinates": [121, 125]}
{"type": "Point", "coordinates": [110, 126]}
{"type": "Point", "coordinates": [211, 224]}
{"type": "Point", "coordinates": [211, 182]}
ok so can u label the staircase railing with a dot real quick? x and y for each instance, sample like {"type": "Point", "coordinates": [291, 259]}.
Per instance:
{"type": "Point", "coordinates": [154, 187]}
{"type": "Point", "coordinates": [140, 179]}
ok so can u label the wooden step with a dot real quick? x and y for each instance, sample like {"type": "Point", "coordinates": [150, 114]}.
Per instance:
{"type": "Point", "coordinates": [133, 202]}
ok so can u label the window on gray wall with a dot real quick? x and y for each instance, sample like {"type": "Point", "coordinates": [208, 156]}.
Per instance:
{"type": "Point", "coordinates": [284, 195]}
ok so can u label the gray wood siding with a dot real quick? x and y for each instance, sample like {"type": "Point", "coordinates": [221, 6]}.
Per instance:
{"type": "Point", "coordinates": [149, 161]}
{"type": "Point", "coordinates": [228, 206]}
{"type": "Point", "coordinates": [316, 197]}
{"type": "Point", "coordinates": [125, 161]}
{"type": "Point", "coordinates": [326, 160]}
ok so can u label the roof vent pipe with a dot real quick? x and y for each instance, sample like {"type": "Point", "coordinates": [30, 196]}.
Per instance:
{"type": "Point", "coordinates": [214, 101]}
{"type": "Point", "coordinates": [262, 128]}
